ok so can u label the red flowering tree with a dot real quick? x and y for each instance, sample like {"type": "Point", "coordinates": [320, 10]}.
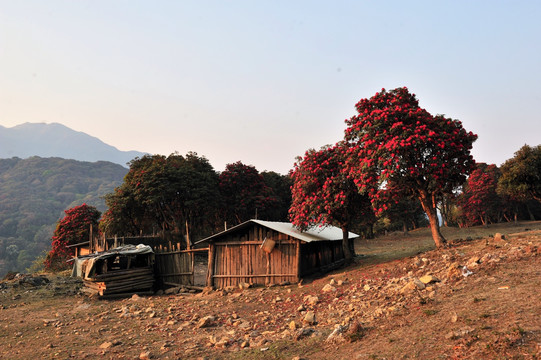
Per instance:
{"type": "Point", "coordinates": [323, 194]}
{"type": "Point", "coordinates": [394, 140]}
{"type": "Point", "coordinates": [479, 201]}
{"type": "Point", "coordinates": [72, 229]}
{"type": "Point", "coordinates": [244, 193]}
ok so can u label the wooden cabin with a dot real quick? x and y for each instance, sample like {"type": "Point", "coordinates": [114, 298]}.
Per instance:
{"type": "Point", "coordinates": [266, 252]}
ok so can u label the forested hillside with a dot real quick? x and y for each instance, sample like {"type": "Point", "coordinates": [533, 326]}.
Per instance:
{"type": "Point", "coordinates": [34, 193]}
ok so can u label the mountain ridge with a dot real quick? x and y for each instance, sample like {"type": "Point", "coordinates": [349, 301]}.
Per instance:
{"type": "Point", "coordinates": [57, 140]}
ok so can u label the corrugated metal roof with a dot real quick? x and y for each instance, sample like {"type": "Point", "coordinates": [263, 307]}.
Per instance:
{"type": "Point", "coordinates": [324, 233]}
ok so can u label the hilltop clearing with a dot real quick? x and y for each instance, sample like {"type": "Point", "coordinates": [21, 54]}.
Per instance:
{"type": "Point", "coordinates": [477, 299]}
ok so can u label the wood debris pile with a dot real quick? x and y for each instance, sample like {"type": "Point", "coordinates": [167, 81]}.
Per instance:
{"type": "Point", "coordinates": [119, 272]}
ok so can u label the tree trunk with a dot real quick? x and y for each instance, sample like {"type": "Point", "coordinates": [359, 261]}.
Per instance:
{"type": "Point", "coordinates": [427, 202]}
{"type": "Point", "coordinates": [345, 244]}
{"type": "Point", "coordinates": [532, 217]}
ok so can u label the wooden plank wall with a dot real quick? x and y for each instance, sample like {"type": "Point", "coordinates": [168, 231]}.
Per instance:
{"type": "Point", "coordinates": [320, 256]}
{"type": "Point", "coordinates": [239, 258]}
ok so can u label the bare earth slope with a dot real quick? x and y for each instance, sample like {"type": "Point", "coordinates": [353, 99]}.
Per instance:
{"type": "Point", "coordinates": [478, 299]}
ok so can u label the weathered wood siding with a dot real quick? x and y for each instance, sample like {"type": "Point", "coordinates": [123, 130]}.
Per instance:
{"type": "Point", "coordinates": [239, 258]}
{"type": "Point", "coordinates": [320, 256]}
{"type": "Point", "coordinates": [173, 268]}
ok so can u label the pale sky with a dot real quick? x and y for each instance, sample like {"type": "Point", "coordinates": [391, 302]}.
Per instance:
{"type": "Point", "coordinates": [263, 81]}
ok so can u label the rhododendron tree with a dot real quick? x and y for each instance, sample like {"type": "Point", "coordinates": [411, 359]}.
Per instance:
{"type": "Point", "coordinates": [394, 140]}
{"type": "Point", "coordinates": [72, 229]}
{"type": "Point", "coordinates": [479, 200]}
{"type": "Point", "coordinates": [323, 194]}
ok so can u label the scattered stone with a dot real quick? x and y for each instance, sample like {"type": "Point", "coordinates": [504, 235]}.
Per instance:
{"type": "Point", "coordinates": [454, 271]}
{"type": "Point", "coordinates": [309, 318]}
{"type": "Point", "coordinates": [311, 300]}
{"type": "Point", "coordinates": [473, 262]}
{"type": "Point", "coordinates": [408, 288]}
{"type": "Point", "coordinates": [245, 325]}
{"type": "Point", "coordinates": [244, 344]}
{"type": "Point", "coordinates": [428, 279]}
{"type": "Point", "coordinates": [205, 322]}
{"type": "Point", "coordinates": [106, 345]}
{"type": "Point", "coordinates": [337, 334]}
{"type": "Point", "coordinates": [459, 333]}
{"type": "Point", "coordinates": [293, 325]}
{"type": "Point", "coordinates": [172, 291]}
{"type": "Point", "coordinates": [328, 288]}
{"type": "Point", "coordinates": [145, 355]}
{"type": "Point", "coordinates": [304, 332]}
{"type": "Point", "coordinates": [498, 237]}
{"type": "Point", "coordinates": [419, 284]}
{"type": "Point", "coordinates": [223, 342]}
{"type": "Point", "coordinates": [244, 286]}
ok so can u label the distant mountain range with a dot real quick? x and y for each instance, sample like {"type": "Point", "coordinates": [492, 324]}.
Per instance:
{"type": "Point", "coordinates": [57, 140]}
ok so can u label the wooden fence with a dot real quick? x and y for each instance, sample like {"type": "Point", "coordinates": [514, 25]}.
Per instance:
{"type": "Point", "coordinates": [175, 268]}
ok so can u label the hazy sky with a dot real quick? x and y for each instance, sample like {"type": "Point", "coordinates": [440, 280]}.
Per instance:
{"type": "Point", "coordinates": [263, 81]}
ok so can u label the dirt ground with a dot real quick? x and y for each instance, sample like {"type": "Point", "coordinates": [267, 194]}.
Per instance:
{"type": "Point", "coordinates": [401, 299]}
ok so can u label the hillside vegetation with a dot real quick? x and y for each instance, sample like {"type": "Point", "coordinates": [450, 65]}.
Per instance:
{"type": "Point", "coordinates": [34, 193]}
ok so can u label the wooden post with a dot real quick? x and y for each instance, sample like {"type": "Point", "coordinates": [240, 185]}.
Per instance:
{"type": "Point", "coordinates": [188, 245]}
{"type": "Point", "coordinates": [298, 259]}
{"type": "Point", "coordinates": [268, 279]}
{"type": "Point", "coordinates": [210, 270]}
{"type": "Point", "coordinates": [90, 240]}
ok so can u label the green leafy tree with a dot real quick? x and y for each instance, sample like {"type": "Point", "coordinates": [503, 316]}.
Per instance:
{"type": "Point", "coordinates": [395, 141]}
{"type": "Point", "coordinates": [521, 175]}
{"type": "Point", "coordinates": [176, 193]}
{"type": "Point", "coordinates": [245, 194]}
{"type": "Point", "coordinates": [72, 229]}
{"type": "Point", "coordinates": [323, 194]}
{"type": "Point", "coordinates": [124, 214]}
{"type": "Point", "coordinates": [280, 186]}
